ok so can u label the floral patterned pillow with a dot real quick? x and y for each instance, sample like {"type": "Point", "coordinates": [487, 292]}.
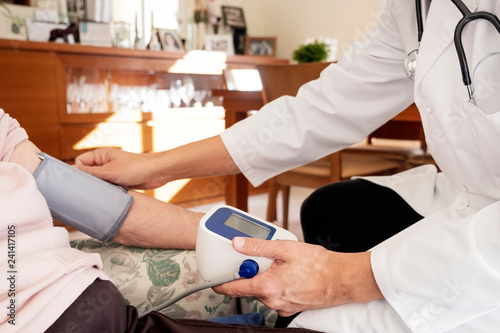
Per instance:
{"type": "Point", "coordinates": [150, 277]}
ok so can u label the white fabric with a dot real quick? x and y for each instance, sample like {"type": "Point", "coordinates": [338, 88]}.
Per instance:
{"type": "Point", "coordinates": [442, 274]}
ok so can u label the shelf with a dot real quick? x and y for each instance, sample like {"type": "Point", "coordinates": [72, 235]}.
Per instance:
{"type": "Point", "coordinates": [35, 79]}
{"type": "Point", "coordinates": [197, 55]}
{"type": "Point", "coordinates": [138, 116]}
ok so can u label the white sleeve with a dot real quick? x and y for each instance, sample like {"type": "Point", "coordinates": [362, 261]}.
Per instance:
{"type": "Point", "coordinates": [443, 271]}
{"type": "Point", "coordinates": [365, 89]}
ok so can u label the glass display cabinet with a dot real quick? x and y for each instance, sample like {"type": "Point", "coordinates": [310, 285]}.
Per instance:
{"type": "Point", "coordinates": [72, 98]}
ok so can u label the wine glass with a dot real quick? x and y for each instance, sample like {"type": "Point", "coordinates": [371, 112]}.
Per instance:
{"type": "Point", "coordinates": [188, 90]}
{"type": "Point", "coordinates": [199, 96]}
{"type": "Point", "coordinates": [175, 92]}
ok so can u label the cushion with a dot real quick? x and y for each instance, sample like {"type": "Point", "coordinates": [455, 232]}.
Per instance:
{"type": "Point", "coordinates": [149, 277]}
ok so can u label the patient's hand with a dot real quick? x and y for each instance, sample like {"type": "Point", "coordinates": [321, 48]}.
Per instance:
{"type": "Point", "coordinates": [25, 154]}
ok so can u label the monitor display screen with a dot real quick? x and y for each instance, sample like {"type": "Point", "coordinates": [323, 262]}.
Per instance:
{"type": "Point", "coordinates": [247, 227]}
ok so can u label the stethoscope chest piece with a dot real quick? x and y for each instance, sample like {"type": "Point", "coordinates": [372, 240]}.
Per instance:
{"type": "Point", "coordinates": [411, 64]}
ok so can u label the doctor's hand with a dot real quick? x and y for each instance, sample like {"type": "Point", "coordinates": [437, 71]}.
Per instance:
{"type": "Point", "coordinates": [304, 277]}
{"type": "Point", "coordinates": [122, 168]}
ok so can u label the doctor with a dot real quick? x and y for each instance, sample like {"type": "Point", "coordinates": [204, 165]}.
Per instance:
{"type": "Point", "coordinates": [441, 273]}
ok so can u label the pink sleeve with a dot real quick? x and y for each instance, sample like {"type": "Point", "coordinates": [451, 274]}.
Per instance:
{"type": "Point", "coordinates": [11, 134]}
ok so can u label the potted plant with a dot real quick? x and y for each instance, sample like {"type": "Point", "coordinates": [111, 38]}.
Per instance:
{"type": "Point", "coordinates": [312, 52]}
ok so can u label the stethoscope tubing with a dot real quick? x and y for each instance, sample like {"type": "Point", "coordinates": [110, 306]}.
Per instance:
{"type": "Point", "coordinates": [468, 16]}
{"type": "Point", "coordinates": [420, 21]}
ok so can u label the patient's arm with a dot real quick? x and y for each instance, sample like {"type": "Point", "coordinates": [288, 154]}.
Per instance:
{"type": "Point", "coordinates": [25, 154]}
{"type": "Point", "coordinates": [155, 224]}
{"type": "Point", "coordinates": [149, 223]}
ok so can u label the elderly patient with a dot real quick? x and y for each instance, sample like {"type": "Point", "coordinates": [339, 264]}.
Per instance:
{"type": "Point", "coordinates": [52, 287]}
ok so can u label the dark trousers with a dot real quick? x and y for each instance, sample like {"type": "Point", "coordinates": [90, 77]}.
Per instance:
{"type": "Point", "coordinates": [352, 216]}
{"type": "Point", "coordinates": [102, 309]}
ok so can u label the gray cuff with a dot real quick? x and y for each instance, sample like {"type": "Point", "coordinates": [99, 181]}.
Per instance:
{"type": "Point", "coordinates": [80, 200]}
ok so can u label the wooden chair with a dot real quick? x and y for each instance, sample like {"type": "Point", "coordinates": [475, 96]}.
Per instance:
{"type": "Point", "coordinates": [279, 80]}
{"type": "Point", "coordinates": [402, 138]}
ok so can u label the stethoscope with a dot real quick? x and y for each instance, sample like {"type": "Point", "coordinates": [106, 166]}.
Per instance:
{"type": "Point", "coordinates": [411, 59]}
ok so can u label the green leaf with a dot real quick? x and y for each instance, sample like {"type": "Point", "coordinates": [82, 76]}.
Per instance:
{"type": "Point", "coordinates": [163, 273]}
{"type": "Point", "coordinates": [113, 245]}
{"type": "Point", "coordinates": [77, 244]}
{"type": "Point", "coordinates": [136, 249]}
{"type": "Point", "coordinates": [93, 244]}
{"type": "Point", "coordinates": [174, 311]}
{"type": "Point", "coordinates": [157, 295]}
{"type": "Point", "coordinates": [186, 264]}
{"type": "Point", "coordinates": [212, 310]}
{"type": "Point", "coordinates": [161, 254]}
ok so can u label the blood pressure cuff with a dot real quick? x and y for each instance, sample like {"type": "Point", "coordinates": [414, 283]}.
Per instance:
{"type": "Point", "coordinates": [80, 200]}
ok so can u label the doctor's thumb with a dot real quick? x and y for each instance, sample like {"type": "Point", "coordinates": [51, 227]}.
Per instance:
{"type": "Point", "coordinates": [245, 245]}
{"type": "Point", "coordinates": [255, 247]}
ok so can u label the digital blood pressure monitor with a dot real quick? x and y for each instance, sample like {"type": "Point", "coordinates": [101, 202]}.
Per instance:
{"type": "Point", "coordinates": [217, 261]}
{"type": "Point", "coordinates": [215, 255]}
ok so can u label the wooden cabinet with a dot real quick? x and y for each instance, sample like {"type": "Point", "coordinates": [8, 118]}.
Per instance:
{"type": "Point", "coordinates": [28, 91]}
{"type": "Point", "coordinates": [37, 82]}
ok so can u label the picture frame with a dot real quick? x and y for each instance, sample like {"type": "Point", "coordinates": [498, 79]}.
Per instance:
{"type": "Point", "coordinates": [239, 40]}
{"type": "Point", "coordinates": [221, 43]}
{"type": "Point", "coordinates": [13, 21]}
{"type": "Point", "coordinates": [261, 46]}
{"type": "Point", "coordinates": [170, 40]}
{"type": "Point", "coordinates": [95, 34]}
{"type": "Point", "coordinates": [234, 17]}
{"type": "Point", "coordinates": [76, 10]}
{"type": "Point", "coordinates": [122, 31]}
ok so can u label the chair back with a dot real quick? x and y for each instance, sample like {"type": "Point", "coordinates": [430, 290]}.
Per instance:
{"type": "Point", "coordinates": [401, 129]}
{"type": "Point", "coordinates": [280, 80]}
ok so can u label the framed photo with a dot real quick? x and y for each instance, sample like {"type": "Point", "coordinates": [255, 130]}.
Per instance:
{"type": "Point", "coordinates": [13, 20]}
{"type": "Point", "coordinates": [95, 34]}
{"type": "Point", "coordinates": [76, 10]}
{"type": "Point", "coordinates": [122, 34]}
{"type": "Point", "coordinates": [233, 17]}
{"type": "Point", "coordinates": [239, 40]}
{"type": "Point", "coordinates": [170, 40]}
{"type": "Point", "coordinates": [220, 43]}
{"type": "Point", "coordinates": [263, 46]}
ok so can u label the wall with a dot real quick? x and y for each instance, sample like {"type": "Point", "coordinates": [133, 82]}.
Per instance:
{"type": "Point", "coordinates": [294, 21]}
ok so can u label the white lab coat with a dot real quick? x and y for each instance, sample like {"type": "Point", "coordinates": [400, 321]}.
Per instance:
{"type": "Point", "coordinates": [443, 273]}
